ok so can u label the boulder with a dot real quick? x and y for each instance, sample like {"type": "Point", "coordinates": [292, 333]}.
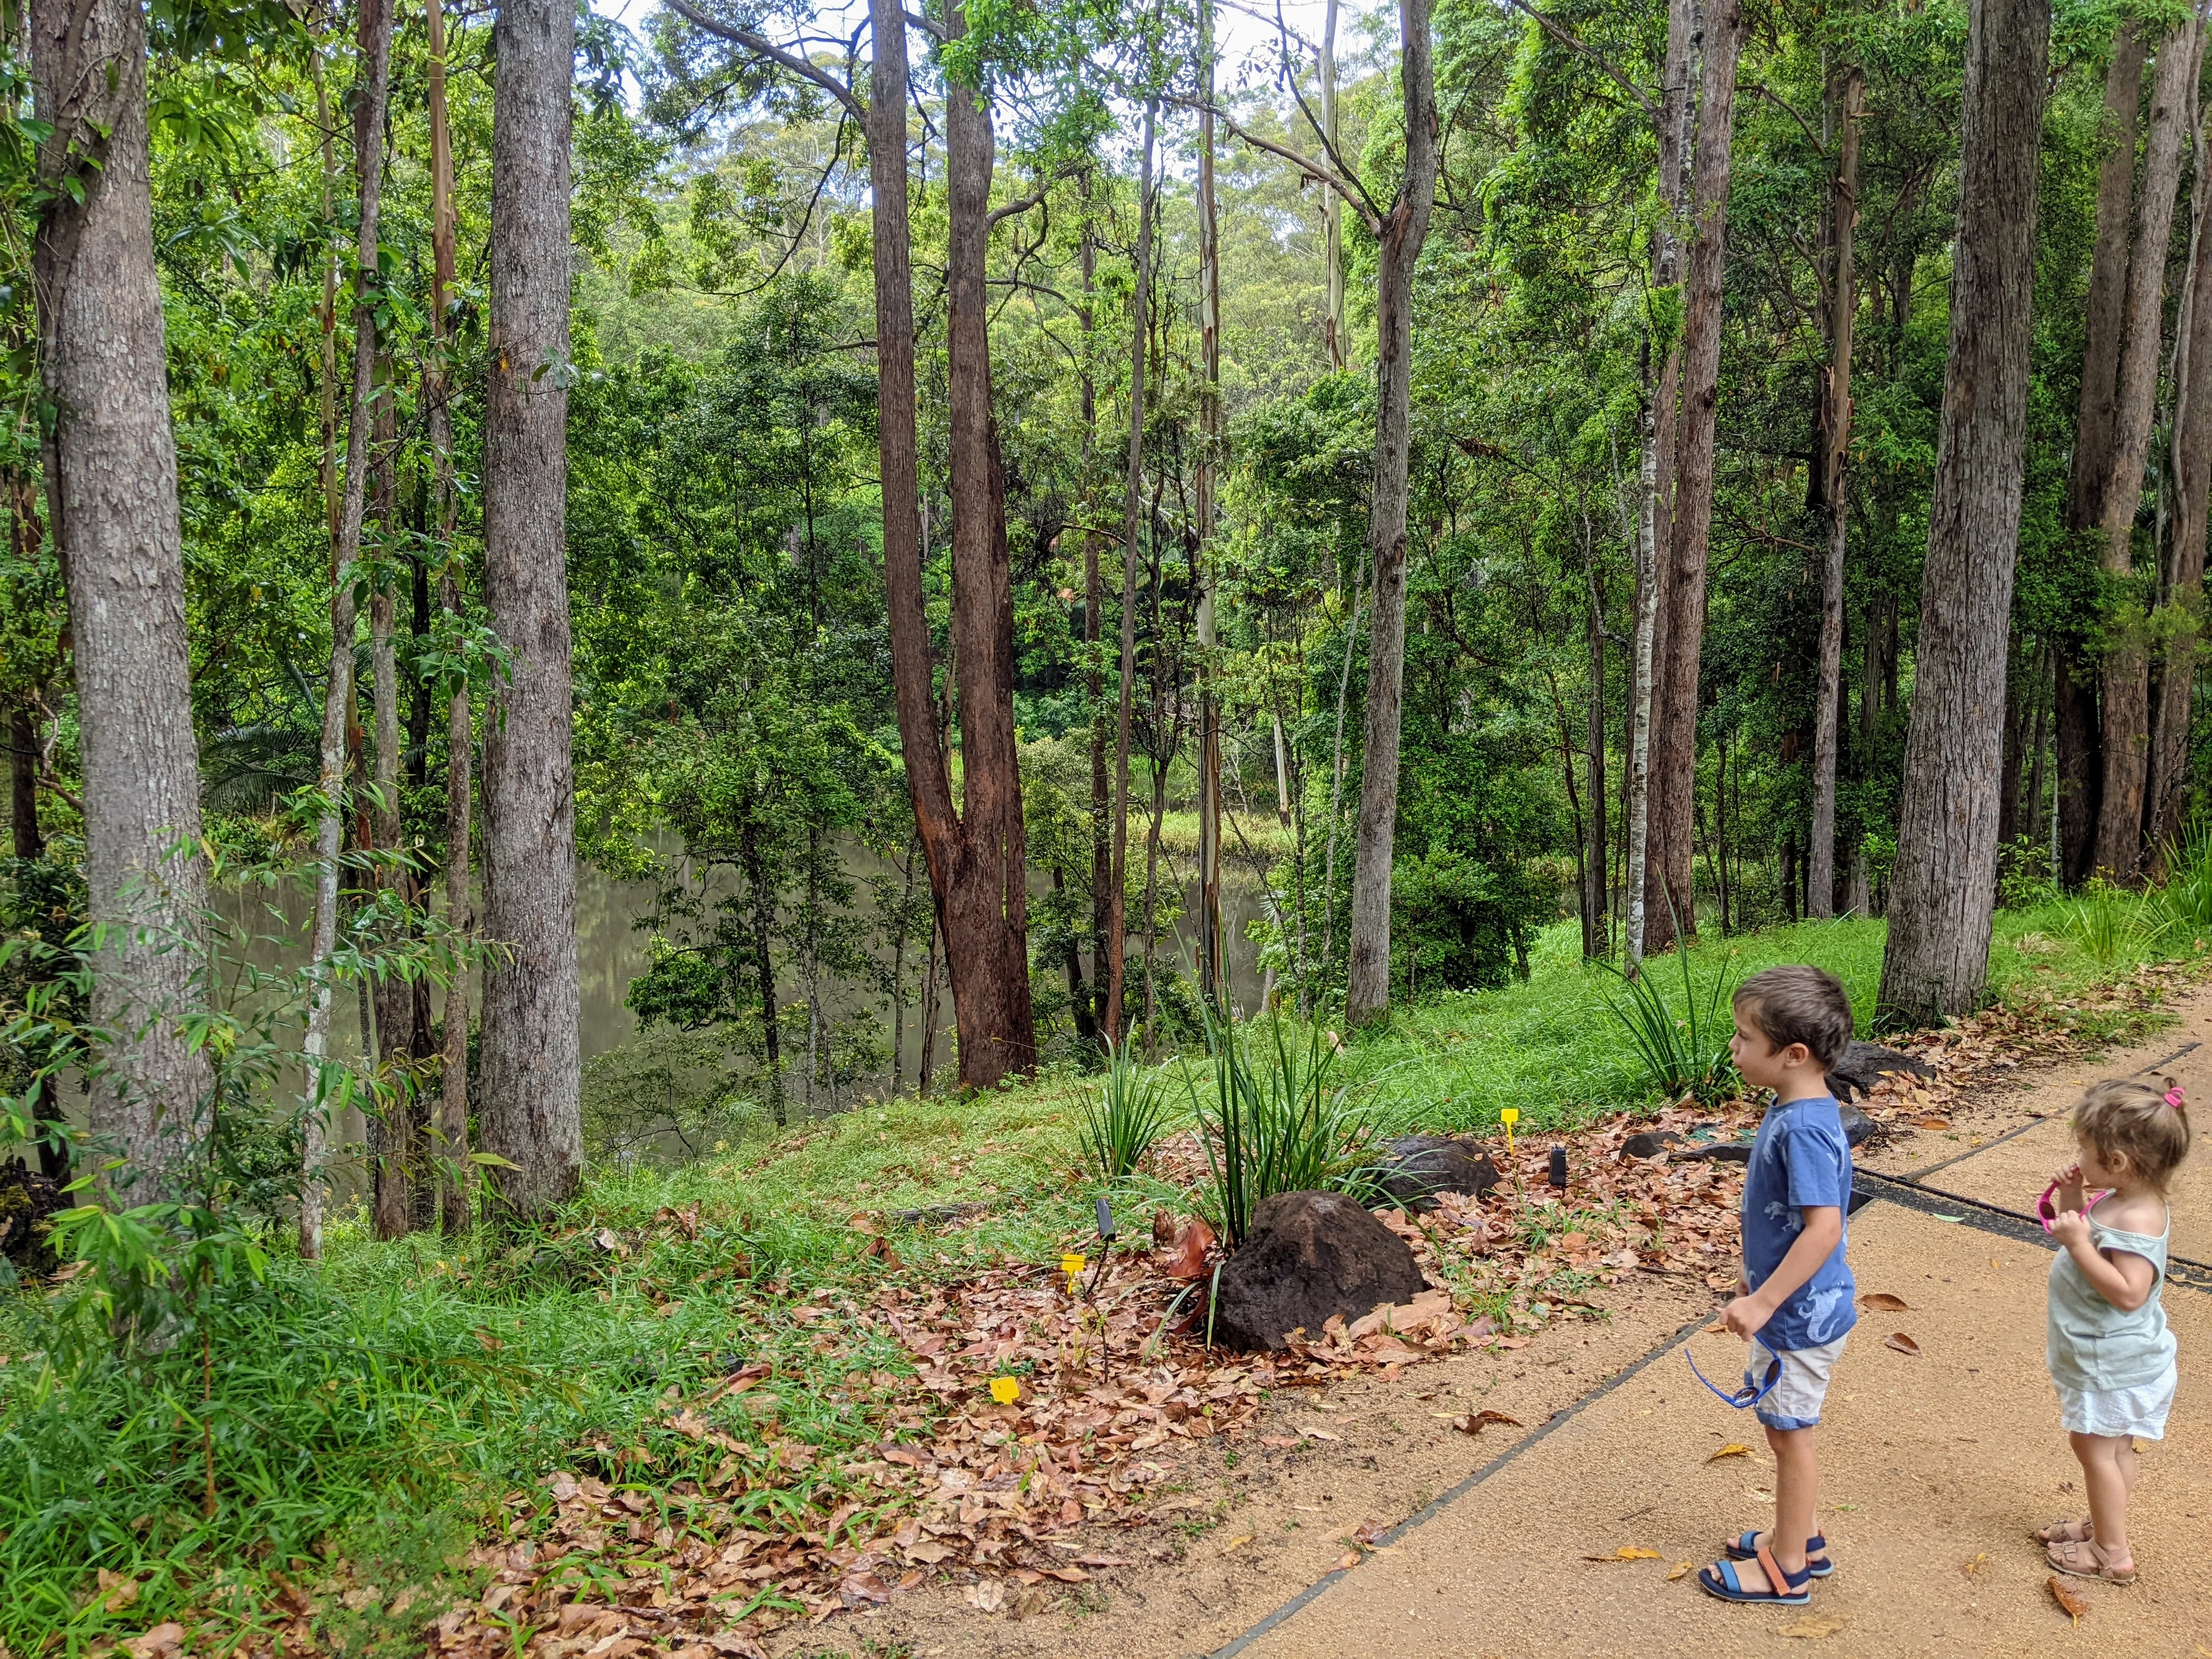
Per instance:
{"type": "Point", "coordinates": [1414, 1168]}
{"type": "Point", "coordinates": [1650, 1143]}
{"type": "Point", "coordinates": [1861, 1067]}
{"type": "Point", "coordinates": [1857, 1126]}
{"type": "Point", "coordinates": [1309, 1257]}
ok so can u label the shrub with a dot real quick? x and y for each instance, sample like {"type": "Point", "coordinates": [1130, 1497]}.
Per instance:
{"type": "Point", "coordinates": [1121, 1120]}
{"type": "Point", "coordinates": [1277, 1118]}
{"type": "Point", "coordinates": [1683, 1047]}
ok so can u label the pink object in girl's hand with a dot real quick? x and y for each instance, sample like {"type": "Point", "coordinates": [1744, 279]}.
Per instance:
{"type": "Point", "coordinates": [2047, 1212]}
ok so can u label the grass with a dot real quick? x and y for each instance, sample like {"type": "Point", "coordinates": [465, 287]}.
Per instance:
{"type": "Point", "coordinates": [367, 1419]}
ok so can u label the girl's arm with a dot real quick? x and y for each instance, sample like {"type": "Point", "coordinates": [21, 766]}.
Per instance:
{"type": "Point", "coordinates": [2121, 1277]}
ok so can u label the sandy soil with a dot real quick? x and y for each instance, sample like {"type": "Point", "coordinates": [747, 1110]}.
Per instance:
{"type": "Point", "coordinates": [1938, 1466]}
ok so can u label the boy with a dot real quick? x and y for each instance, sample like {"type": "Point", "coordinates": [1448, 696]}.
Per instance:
{"type": "Point", "coordinates": [1795, 1299]}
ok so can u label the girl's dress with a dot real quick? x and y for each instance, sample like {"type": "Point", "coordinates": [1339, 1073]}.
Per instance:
{"type": "Point", "coordinates": [2114, 1368]}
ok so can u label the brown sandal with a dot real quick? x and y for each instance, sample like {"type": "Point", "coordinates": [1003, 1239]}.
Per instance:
{"type": "Point", "coordinates": [2083, 1558]}
{"type": "Point", "coordinates": [2067, 1532]}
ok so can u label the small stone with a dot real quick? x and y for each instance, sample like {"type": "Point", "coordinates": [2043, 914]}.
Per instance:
{"type": "Point", "coordinates": [1309, 1258]}
{"type": "Point", "coordinates": [1857, 1126]}
{"type": "Point", "coordinates": [1650, 1143]}
{"type": "Point", "coordinates": [1414, 1168]}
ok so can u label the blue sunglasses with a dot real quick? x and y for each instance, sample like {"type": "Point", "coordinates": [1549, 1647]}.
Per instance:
{"type": "Point", "coordinates": [1745, 1395]}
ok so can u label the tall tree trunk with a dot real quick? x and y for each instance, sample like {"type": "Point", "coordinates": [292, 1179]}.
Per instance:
{"type": "Point", "coordinates": [1944, 883]}
{"type": "Point", "coordinates": [1132, 528]}
{"type": "Point", "coordinates": [111, 467]}
{"type": "Point", "coordinates": [2008, 771]}
{"type": "Point", "coordinates": [1094, 608]}
{"type": "Point", "coordinates": [1835, 438]}
{"type": "Point", "coordinates": [2037, 745]}
{"type": "Point", "coordinates": [1211, 954]}
{"type": "Point", "coordinates": [391, 1128]}
{"type": "Point", "coordinates": [1367, 978]}
{"type": "Point", "coordinates": [988, 947]}
{"type": "Point", "coordinates": [1599, 941]}
{"type": "Point", "coordinates": [2080, 762]}
{"type": "Point", "coordinates": [2125, 675]}
{"type": "Point", "coordinates": [754, 863]}
{"type": "Point", "coordinates": [452, 1120]}
{"type": "Point", "coordinates": [2185, 572]}
{"type": "Point", "coordinates": [1675, 697]}
{"type": "Point", "coordinates": [530, 1112]}
{"type": "Point", "coordinates": [1332, 207]}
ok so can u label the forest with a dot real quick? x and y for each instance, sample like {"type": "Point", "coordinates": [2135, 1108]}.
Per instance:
{"type": "Point", "coordinates": [589, 594]}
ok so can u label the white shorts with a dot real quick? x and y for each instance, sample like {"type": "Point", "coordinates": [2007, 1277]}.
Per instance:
{"type": "Point", "coordinates": [1795, 1402]}
{"type": "Point", "coordinates": [2140, 1411]}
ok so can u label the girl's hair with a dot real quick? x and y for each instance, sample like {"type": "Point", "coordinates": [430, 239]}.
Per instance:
{"type": "Point", "coordinates": [2146, 1127]}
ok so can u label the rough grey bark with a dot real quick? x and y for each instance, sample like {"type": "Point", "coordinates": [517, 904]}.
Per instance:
{"type": "Point", "coordinates": [1682, 624]}
{"type": "Point", "coordinates": [2185, 569]}
{"type": "Point", "coordinates": [1332, 207]}
{"type": "Point", "coordinates": [453, 1114]}
{"type": "Point", "coordinates": [1109, 1020]}
{"type": "Point", "coordinates": [1213, 955]}
{"type": "Point", "coordinates": [1367, 977]}
{"type": "Point", "coordinates": [2080, 763]}
{"type": "Point", "coordinates": [1944, 883]}
{"type": "Point", "coordinates": [111, 466]}
{"type": "Point", "coordinates": [2125, 675]}
{"type": "Point", "coordinates": [1836, 440]}
{"type": "Point", "coordinates": [530, 1111]}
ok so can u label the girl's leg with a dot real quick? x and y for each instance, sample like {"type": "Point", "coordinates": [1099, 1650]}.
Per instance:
{"type": "Point", "coordinates": [2107, 1472]}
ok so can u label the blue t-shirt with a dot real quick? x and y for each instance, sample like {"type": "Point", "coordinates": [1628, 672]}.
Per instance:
{"type": "Point", "coordinates": [1800, 1161]}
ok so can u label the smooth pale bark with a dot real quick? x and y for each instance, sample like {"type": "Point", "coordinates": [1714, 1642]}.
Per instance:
{"type": "Point", "coordinates": [1367, 977]}
{"type": "Point", "coordinates": [1636, 805]}
{"type": "Point", "coordinates": [1094, 609]}
{"type": "Point", "coordinates": [453, 1112]}
{"type": "Point", "coordinates": [987, 941]}
{"type": "Point", "coordinates": [1944, 883]}
{"type": "Point", "coordinates": [2079, 760]}
{"type": "Point", "coordinates": [1132, 507]}
{"type": "Point", "coordinates": [1332, 206]}
{"type": "Point", "coordinates": [1835, 438]}
{"type": "Point", "coordinates": [1211, 954]}
{"type": "Point", "coordinates": [2125, 675]}
{"type": "Point", "coordinates": [530, 1113]}
{"type": "Point", "coordinates": [1597, 935]}
{"type": "Point", "coordinates": [1282, 772]}
{"type": "Point", "coordinates": [111, 466]}
{"type": "Point", "coordinates": [2184, 568]}
{"type": "Point", "coordinates": [1671, 904]}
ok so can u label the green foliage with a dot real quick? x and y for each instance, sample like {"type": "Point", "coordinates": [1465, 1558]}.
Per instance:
{"type": "Point", "coordinates": [1121, 1119]}
{"type": "Point", "coordinates": [1276, 1115]}
{"type": "Point", "coordinates": [1682, 1044]}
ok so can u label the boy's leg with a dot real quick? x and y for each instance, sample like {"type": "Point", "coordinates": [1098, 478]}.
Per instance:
{"type": "Point", "coordinates": [2107, 1461]}
{"type": "Point", "coordinates": [1796, 1493]}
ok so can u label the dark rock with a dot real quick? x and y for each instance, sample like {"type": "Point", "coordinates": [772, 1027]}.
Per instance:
{"type": "Point", "coordinates": [1308, 1258]}
{"type": "Point", "coordinates": [1415, 1168]}
{"type": "Point", "coordinates": [1650, 1143]}
{"type": "Point", "coordinates": [1861, 1067]}
{"type": "Point", "coordinates": [1857, 1126]}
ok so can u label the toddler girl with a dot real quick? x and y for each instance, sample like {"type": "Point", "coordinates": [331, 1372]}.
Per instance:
{"type": "Point", "coordinates": [2109, 1351]}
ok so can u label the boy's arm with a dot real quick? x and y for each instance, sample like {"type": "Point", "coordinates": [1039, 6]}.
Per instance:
{"type": "Point", "coordinates": [1816, 1242]}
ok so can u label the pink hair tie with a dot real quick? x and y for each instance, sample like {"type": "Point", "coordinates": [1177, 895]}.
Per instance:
{"type": "Point", "coordinates": [2174, 1097]}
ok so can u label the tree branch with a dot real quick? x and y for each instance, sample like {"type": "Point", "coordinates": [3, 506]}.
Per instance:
{"type": "Point", "coordinates": [763, 47]}
{"type": "Point", "coordinates": [1573, 42]}
{"type": "Point", "coordinates": [1354, 197]}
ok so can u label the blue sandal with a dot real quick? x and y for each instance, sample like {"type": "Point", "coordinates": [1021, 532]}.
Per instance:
{"type": "Point", "coordinates": [1794, 1591]}
{"type": "Point", "coordinates": [1745, 1548]}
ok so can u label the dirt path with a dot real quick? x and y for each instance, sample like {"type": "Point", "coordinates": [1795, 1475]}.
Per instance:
{"type": "Point", "coordinates": [1938, 1466]}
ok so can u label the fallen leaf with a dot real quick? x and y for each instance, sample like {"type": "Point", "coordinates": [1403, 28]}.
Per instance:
{"type": "Point", "coordinates": [1475, 1422]}
{"type": "Point", "coordinates": [1349, 1559]}
{"type": "Point", "coordinates": [1812, 1627]}
{"type": "Point", "coordinates": [1903, 1343]}
{"type": "Point", "coordinates": [986, 1595]}
{"type": "Point", "coordinates": [1972, 1569]}
{"type": "Point", "coordinates": [1885, 1302]}
{"type": "Point", "coordinates": [1931, 1122]}
{"type": "Point", "coordinates": [1371, 1533]}
{"type": "Point", "coordinates": [1187, 1253]}
{"type": "Point", "coordinates": [1732, 1449]}
{"type": "Point", "coordinates": [1320, 1434]}
{"type": "Point", "coordinates": [2074, 1606]}
{"type": "Point", "coordinates": [1279, 1441]}
{"type": "Point", "coordinates": [157, 1644]}
{"type": "Point", "coordinates": [1237, 1543]}
{"type": "Point", "coordinates": [1681, 1570]}
{"type": "Point", "coordinates": [929, 1552]}
{"type": "Point", "coordinates": [1626, 1552]}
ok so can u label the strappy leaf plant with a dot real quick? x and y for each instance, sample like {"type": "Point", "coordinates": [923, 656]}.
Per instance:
{"type": "Point", "coordinates": [1681, 1041]}
{"type": "Point", "coordinates": [1124, 1118]}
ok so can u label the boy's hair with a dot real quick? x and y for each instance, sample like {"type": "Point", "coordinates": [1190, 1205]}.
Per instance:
{"type": "Point", "coordinates": [2138, 1122]}
{"type": "Point", "coordinates": [1800, 1004]}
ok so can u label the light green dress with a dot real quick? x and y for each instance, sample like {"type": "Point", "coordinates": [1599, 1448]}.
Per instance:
{"type": "Point", "coordinates": [2114, 1368]}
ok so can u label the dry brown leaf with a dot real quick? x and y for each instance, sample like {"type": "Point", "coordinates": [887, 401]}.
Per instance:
{"type": "Point", "coordinates": [2074, 1605]}
{"type": "Point", "coordinates": [1732, 1449]}
{"type": "Point", "coordinates": [1626, 1552]}
{"type": "Point", "coordinates": [1931, 1122]}
{"type": "Point", "coordinates": [1812, 1627]}
{"type": "Point", "coordinates": [1973, 1568]}
{"type": "Point", "coordinates": [1682, 1570]}
{"type": "Point", "coordinates": [1883, 1301]}
{"type": "Point", "coordinates": [1475, 1422]}
{"type": "Point", "coordinates": [1186, 1255]}
{"type": "Point", "coordinates": [1237, 1543]}
{"type": "Point", "coordinates": [1904, 1344]}
{"type": "Point", "coordinates": [1349, 1559]}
